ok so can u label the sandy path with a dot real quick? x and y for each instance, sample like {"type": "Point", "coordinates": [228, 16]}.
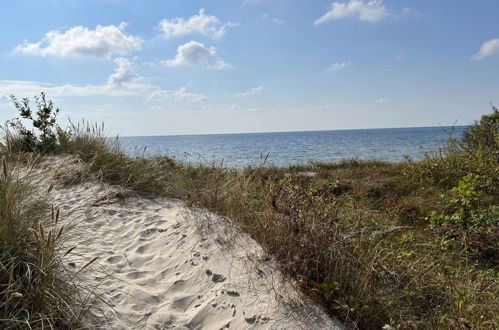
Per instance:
{"type": "Point", "coordinates": [164, 266]}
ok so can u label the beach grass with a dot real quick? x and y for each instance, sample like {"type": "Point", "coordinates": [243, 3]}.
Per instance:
{"type": "Point", "coordinates": [396, 245]}
{"type": "Point", "coordinates": [35, 289]}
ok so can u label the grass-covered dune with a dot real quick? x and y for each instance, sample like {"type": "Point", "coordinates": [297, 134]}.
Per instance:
{"type": "Point", "coordinates": [36, 291]}
{"type": "Point", "coordinates": [395, 245]}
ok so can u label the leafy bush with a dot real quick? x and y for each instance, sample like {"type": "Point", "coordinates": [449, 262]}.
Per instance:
{"type": "Point", "coordinates": [437, 169]}
{"type": "Point", "coordinates": [466, 174]}
{"type": "Point", "coordinates": [468, 223]}
{"type": "Point", "coordinates": [43, 137]}
{"type": "Point", "coordinates": [477, 153]}
{"type": "Point", "coordinates": [465, 210]}
{"type": "Point", "coordinates": [484, 133]}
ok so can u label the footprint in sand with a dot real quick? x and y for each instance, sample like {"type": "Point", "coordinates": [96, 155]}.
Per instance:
{"type": "Point", "coordinates": [148, 232]}
{"type": "Point", "coordinates": [217, 278]}
{"type": "Point", "coordinates": [182, 304]}
{"type": "Point", "coordinates": [136, 275]}
{"type": "Point", "coordinates": [143, 248]}
{"type": "Point", "coordinates": [117, 298]}
{"type": "Point", "coordinates": [233, 293]}
{"type": "Point", "coordinates": [114, 259]}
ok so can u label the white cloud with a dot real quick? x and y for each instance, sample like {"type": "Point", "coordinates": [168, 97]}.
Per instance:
{"type": "Point", "coordinates": [123, 82]}
{"type": "Point", "coordinates": [81, 42]}
{"type": "Point", "coordinates": [29, 88]}
{"type": "Point", "coordinates": [195, 53]}
{"type": "Point", "coordinates": [488, 48]}
{"type": "Point", "coordinates": [123, 73]}
{"type": "Point", "coordinates": [251, 92]}
{"type": "Point", "coordinates": [338, 66]}
{"type": "Point", "coordinates": [369, 11]}
{"type": "Point", "coordinates": [181, 93]}
{"type": "Point", "coordinates": [273, 19]}
{"type": "Point", "coordinates": [382, 101]}
{"type": "Point", "coordinates": [209, 26]}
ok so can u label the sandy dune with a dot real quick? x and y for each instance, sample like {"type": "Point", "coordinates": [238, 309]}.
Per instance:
{"type": "Point", "coordinates": [164, 266]}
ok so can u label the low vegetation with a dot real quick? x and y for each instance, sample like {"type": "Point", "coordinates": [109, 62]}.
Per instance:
{"type": "Point", "coordinates": [35, 292]}
{"type": "Point", "coordinates": [407, 245]}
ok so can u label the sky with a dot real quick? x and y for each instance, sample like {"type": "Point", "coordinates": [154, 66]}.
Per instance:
{"type": "Point", "coordinates": [164, 67]}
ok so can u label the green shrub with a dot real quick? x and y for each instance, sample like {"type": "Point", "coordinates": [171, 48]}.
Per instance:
{"type": "Point", "coordinates": [438, 169]}
{"type": "Point", "coordinates": [468, 224]}
{"type": "Point", "coordinates": [483, 133]}
{"type": "Point", "coordinates": [477, 153]}
{"type": "Point", "coordinates": [43, 137]}
{"type": "Point", "coordinates": [464, 208]}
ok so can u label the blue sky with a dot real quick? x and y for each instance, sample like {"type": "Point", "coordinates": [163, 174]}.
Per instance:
{"type": "Point", "coordinates": [191, 67]}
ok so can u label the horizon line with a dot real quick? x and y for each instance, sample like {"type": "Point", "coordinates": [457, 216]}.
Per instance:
{"type": "Point", "coordinates": [299, 131]}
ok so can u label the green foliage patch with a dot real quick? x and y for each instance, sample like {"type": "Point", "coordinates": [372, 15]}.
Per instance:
{"type": "Point", "coordinates": [43, 137]}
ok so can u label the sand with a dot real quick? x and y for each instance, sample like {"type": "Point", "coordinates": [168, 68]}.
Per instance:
{"type": "Point", "coordinates": [165, 266]}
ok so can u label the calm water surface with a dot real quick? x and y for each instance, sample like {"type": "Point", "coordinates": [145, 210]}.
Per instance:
{"type": "Point", "coordinates": [285, 148]}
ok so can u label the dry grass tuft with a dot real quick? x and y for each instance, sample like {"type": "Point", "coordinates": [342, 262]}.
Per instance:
{"type": "Point", "coordinates": [34, 288]}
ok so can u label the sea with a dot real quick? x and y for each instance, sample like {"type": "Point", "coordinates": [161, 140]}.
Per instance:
{"type": "Point", "coordinates": [290, 148]}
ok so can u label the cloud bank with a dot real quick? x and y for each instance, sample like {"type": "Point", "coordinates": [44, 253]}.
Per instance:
{"type": "Point", "coordinates": [124, 81]}
{"type": "Point", "coordinates": [338, 66]}
{"type": "Point", "coordinates": [251, 92]}
{"type": "Point", "coordinates": [195, 53]}
{"type": "Point", "coordinates": [370, 11]}
{"type": "Point", "coordinates": [209, 26]}
{"type": "Point", "coordinates": [82, 42]}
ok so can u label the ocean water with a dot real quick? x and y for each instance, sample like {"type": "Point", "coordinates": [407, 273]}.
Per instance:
{"type": "Point", "coordinates": [286, 148]}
